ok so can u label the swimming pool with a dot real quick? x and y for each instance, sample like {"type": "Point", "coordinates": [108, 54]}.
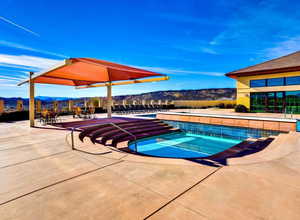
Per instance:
{"type": "Point", "coordinates": [183, 145]}
{"type": "Point", "coordinates": [147, 115]}
{"type": "Point", "coordinates": [196, 140]}
{"type": "Point", "coordinates": [231, 132]}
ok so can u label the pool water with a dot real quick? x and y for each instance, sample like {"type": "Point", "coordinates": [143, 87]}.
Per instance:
{"type": "Point", "coordinates": [147, 115]}
{"type": "Point", "coordinates": [183, 145]}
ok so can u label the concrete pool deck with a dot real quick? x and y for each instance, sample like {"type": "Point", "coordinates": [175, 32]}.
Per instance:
{"type": "Point", "coordinates": [42, 178]}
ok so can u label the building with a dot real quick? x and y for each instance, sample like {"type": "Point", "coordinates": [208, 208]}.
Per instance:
{"type": "Point", "coordinates": [272, 86]}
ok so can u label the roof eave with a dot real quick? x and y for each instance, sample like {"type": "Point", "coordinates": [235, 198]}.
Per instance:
{"type": "Point", "coordinates": [234, 75]}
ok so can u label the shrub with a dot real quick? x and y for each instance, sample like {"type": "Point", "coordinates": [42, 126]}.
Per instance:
{"type": "Point", "coordinates": [14, 116]}
{"type": "Point", "coordinates": [221, 105]}
{"type": "Point", "coordinates": [229, 106]}
{"type": "Point", "coordinates": [241, 108]}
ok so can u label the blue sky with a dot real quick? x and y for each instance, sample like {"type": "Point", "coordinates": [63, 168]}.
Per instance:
{"type": "Point", "coordinates": [194, 42]}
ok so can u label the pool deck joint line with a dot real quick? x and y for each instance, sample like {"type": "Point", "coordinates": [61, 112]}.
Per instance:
{"type": "Point", "coordinates": [58, 182]}
{"type": "Point", "coordinates": [182, 193]}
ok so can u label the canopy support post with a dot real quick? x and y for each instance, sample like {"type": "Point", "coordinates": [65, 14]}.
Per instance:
{"type": "Point", "coordinates": [31, 100]}
{"type": "Point", "coordinates": [109, 100]}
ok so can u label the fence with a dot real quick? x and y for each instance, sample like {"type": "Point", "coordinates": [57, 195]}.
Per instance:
{"type": "Point", "coordinates": [202, 103]}
{"type": "Point", "coordinates": [68, 105]}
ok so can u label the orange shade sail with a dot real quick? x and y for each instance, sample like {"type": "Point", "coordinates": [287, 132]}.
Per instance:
{"type": "Point", "coordinates": [88, 71]}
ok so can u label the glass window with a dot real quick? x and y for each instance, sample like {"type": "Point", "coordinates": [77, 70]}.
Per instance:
{"type": "Point", "coordinates": [258, 83]}
{"type": "Point", "coordinates": [275, 82]}
{"type": "Point", "coordinates": [295, 80]}
{"type": "Point", "coordinates": [292, 102]}
{"type": "Point", "coordinates": [258, 102]}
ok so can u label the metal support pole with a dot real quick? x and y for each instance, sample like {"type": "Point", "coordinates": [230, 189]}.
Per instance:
{"type": "Point", "coordinates": [72, 139]}
{"type": "Point", "coordinates": [31, 100]}
{"type": "Point", "coordinates": [109, 100]}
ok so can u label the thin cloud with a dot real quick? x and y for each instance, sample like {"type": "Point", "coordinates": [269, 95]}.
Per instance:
{"type": "Point", "coordinates": [8, 85]}
{"type": "Point", "coordinates": [3, 77]}
{"type": "Point", "coordinates": [180, 71]}
{"type": "Point", "coordinates": [23, 47]}
{"type": "Point", "coordinates": [20, 67]}
{"type": "Point", "coordinates": [9, 80]}
{"type": "Point", "coordinates": [250, 28]}
{"type": "Point", "coordinates": [208, 50]}
{"type": "Point", "coordinates": [283, 48]}
{"type": "Point", "coordinates": [19, 26]}
{"type": "Point", "coordinates": [193, 48]}
{"type": "Point", "coordinates": [24, 61]}
{"type": "Point", "coordinates": [184, 18]}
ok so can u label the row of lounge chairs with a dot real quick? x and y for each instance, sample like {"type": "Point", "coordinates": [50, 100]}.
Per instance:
{"type": "Point", "coordinates": [87, 113]}
{"type": "Point", "coordinates": [133, 109]}
{"type": "Point", "coordinates": [112, 135]}
{"type": "Point", "coordinates": [53, 116]}
{"type": "Point", "coordinates": [48, 117]}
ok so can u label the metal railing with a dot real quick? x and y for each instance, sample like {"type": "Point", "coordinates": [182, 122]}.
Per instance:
{"type": "Point", "coordinates": [285, 113]}
{"type": "Point", "coordinates": [127, 132]}
{"type": "Point", "coordinates": [90, 125]}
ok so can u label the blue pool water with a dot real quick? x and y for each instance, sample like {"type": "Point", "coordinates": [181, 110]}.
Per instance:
{"type": "Point", "coordinates": [230, 132]}
{"type": "Point", "coordinates": [183, 145]}
{"type": "Point", "coordinates": [196, 139]}
{"type": "Point", "coordinates": [148, 115]}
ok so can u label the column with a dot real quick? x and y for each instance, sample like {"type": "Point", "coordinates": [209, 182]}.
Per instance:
{"type": "Point", "coordinates": [1, 106]}
{"type": "Point", "coordinates": [109, 100]}
{"type": "Point", "coordinates": [31, 100]}
{"type": "Point", "coordinates": [19, 105]}
{"type": "Point", "coordinates": [70, 105]}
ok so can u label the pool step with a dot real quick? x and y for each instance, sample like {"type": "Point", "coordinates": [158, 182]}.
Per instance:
{"type": "Point", "coordinates": [91, 130]}
{"type": "Point", "coordinates": [242, 149]}
{"type": "Point", "coordinates": [144, 134]}
{"type": "Point", "coordinates": [113, 134]}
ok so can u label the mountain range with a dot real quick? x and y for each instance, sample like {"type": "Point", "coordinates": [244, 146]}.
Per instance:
{"type": "Point", "coordinates": [197, 94]}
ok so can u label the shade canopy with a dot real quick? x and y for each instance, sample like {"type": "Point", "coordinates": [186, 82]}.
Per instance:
{"type": "Point", "coordinates": [89, 71]}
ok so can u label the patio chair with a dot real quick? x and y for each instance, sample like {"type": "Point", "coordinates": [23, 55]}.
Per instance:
{"type": "Point", "coordinates": [44, 116]}
{"type": "Point", "coordinates": [55, 117]}
{"type": "Point", "coordinates": [92, 111]}
{"type": "Point", "coordinates": [77, 112]}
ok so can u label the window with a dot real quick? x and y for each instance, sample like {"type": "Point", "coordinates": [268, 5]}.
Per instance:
{"type": "Point", "coordinates": [283, 81]}
{"type": "Point", "coordinates": [258, 83]}
{"type": "Point", "coordinates": [258, 102]}
{"type": "Point", "coordinates": [293, 80]}
{"type": "Point", "coordinates": [292, 101]}
{"type": "Point", "coordinates": [288, 102]}
{"type": "Point", "coordinates": [275, 82]}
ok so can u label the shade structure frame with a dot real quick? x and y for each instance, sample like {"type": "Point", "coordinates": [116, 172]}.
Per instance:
{"type": "Point", "coordinates": [89, 73]}
{"type": "Point", "coordinates": [157, 79]}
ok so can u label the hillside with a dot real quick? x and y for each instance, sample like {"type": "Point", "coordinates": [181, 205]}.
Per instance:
{"type": "Point", "coordinates": [198, 94]}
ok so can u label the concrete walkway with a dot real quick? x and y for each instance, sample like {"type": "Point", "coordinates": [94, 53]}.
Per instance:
{"type": "Point", "coordinates": [42, 178]}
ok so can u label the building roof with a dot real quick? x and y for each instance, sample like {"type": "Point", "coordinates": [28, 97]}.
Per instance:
{"type": "Point", "coordinates": [88, 71]}
{"type": "Point", "coordinates": [288, 63]}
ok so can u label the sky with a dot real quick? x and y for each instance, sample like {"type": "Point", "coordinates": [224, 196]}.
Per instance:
{"type": "Point", "coordinates": [195, 42]}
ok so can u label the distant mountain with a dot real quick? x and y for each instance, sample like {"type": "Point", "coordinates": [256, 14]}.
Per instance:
{"type": "Point", "coordinates": [197, 94]}
{"type": "Point", "coordinates": [51, 99]}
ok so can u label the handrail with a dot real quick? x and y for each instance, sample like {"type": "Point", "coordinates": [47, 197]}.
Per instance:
{"type": "Point", "coordinates": [127, 132]}
{"type": "Point", "coordinates": [82, 126]}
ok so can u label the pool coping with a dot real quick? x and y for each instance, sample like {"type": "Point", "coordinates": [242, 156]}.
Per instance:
{"type": "Point", "coordinates": [230, 116]}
